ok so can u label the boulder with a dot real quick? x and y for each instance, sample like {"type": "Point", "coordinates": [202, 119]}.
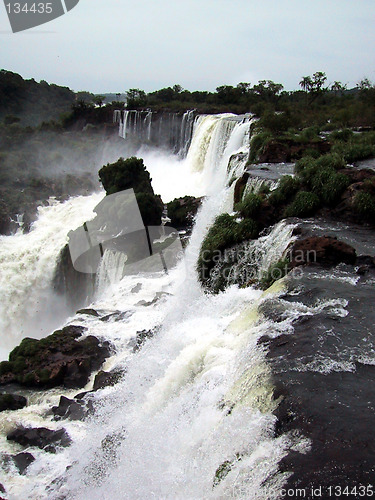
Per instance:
{"type": "Point", "coordinates": [12, 402]}
{"type": "Point", "coordinates": [59, 359]}
{"type": "Point", "coordinates": [141, 337]}
{"type": "Point", "coordinates": [106, 379]}
{"type": "Point", "coordinates": [73, 409]}
{"type": "Point", "coordinates": [45, 439]}
{"type": "Point", "coordinates": [182, 211]}
{"type": "Point", "coordinates": [21, 461]}
{"type": "Point", "coordinates": [89, 312]}
{"type": "Point", "coordinates": [323, 250]}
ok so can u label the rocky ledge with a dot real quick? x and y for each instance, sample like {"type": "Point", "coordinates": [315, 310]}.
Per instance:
{"type": "Point", "coordinates": [63, 358]}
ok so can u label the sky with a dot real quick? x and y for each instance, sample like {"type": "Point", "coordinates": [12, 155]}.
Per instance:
{"type": "Point", "coordinates": [113, 45]}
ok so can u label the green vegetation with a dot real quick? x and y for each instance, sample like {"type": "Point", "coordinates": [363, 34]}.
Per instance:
{"type": "Point", "coordinates": [364, 204]}
{"type": "Point", "coordinates": [132, 173]}
{"type": "Point", "coordinates": [225, 232]}
{"type": "Point", "coordinates": [287, 188]}
{"type": "Point", "coordinates": [181, 211]}
{"type": "Point", "coordinates": [303, 205]}
{"type": "Point", "coordinates": [249, 207]}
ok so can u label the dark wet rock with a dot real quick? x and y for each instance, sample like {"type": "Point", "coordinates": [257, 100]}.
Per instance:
{"type": "Point", "coordinates": [72, 409]}
{"type": "Point", "coordinates": [77, 288]}
{"type": "Point", "coordinates": [59, 359]}
{"type": "Point", "coordinates": [182, 211]}
{"type": "Point", "coordinates": [5, 219]}
{"type": "Point", "coordinates": [2, 489]}
{"type": "Point", "coordinates": [323, 250]}
{"type": "Point", "coordinates": [140, 339]}
{"type": "Point", "coordinates": [45, 439]}
{"type": "Point", "coordinates": [365, 265]}
{"type": "Point", "coordinates": [89, 312]}
{"type": "Point", "coordinates": [106, 379]}
{"type": "Point", "coordinates": [137, 288]}
{"type": "Point", "coordinates": [158, 296]}
{"type": "Point", "coordinates": [272, 310]}
{"type": "Point", "coordinates": [116, 316]}
{"type": "Point", "coordinates": [324, 395]}
{"type": "Point", "coordinates": [12, 402]}
{"type": "Point", "coordinates": [239, 187]}
{"type": "Point", "coordinates": [21, 461]}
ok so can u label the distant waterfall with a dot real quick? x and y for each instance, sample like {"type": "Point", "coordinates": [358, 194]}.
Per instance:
{"type": "Point", "coordinates": [171, 130]}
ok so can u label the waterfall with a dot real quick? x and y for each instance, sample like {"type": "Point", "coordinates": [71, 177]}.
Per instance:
{"type": "Point", "coordinates": [28, 306]}
{"type": "Point", "coordinates": [192, 417]}
{"type": "Point", "coordinates": [168, 130]}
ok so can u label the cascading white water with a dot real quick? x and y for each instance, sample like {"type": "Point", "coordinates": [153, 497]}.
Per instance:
{"type": "Point", "coordinates": [28, 306]}
{"type": "Point", "coordinates": [197, 396]}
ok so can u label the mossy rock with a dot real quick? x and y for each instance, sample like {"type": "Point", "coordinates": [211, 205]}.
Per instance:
{"type": "Point", "coordinates": [59, 359]}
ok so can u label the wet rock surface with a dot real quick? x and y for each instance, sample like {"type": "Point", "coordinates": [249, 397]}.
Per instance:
{"type": "Point", "coordinates": [21, 461]}
{"type": "Point", "coordinates": [41, 437]}
{"type": "Point", "coordinates": [323, 250]}
{"type": "Point", "coordinates": [62, 358]}
{"type": "Point", "coordinates": [72, 409]}
{"type": "Point", "coordinates": [12, 402]}
{"type": "Point", "coordinates": [107, 379]}
{"type": "Point", "coordinates": [325, 377]}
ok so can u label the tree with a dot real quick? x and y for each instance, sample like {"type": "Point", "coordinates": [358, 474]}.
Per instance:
{"type": "Point", "coordinates": [338, 87]}
{"type": "Point", "coordinates": [177, 89]}
{"type": "Point", "coordinates": [268, 90]}
{"type": "Point", "coordinates": [305, 83]}
{"type": "Point", "coordinates": [99, 100]}
{"type": "Point", "coordinates": [314, 84]}
{"type": "Point", "coordinates": [244, 87]}
{"type": "Point", "coordinates": [136, 98]}
{"type": "Point", "coordinates": [364, 84]}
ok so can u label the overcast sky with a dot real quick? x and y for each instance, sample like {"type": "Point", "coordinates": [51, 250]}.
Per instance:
{"type": "Point", "coordinates": [114, 45]}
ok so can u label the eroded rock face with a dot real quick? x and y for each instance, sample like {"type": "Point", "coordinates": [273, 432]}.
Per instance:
{"type": "Point", "coordinates": [323, 250]}
{"type": "Point", "coordinates": [59, 359]}
{"type": "Point", "coordinates": [41, 437]}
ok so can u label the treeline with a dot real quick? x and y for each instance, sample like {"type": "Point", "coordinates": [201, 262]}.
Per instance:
{"type": "Point", "coordinates": [29, 102]}
{"type": "Point", "coordinates": [314, 104]}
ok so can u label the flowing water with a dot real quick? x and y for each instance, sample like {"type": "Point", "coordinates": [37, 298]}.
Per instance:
{"type": "Point", "coordinates": [192, 416]}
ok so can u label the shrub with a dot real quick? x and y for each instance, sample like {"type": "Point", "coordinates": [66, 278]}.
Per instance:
{"type": "Point", "coordinates": [342, 135]}
{"type": "Point", "coordinates": [249, 207]}
{"type": "Point", "coordinates": [258, 143]}
{"type": "Point", "coordinates": [331, 160]}
{"type": "Point", "coordinates": [364, 204]}
{"type": "Point", "coordinates": [329, 185]}
{"type": "Point", "coordinates": [358, 152]}
{"type": "Point", "coordinates": [275, 122]}
{"type": "Point", "coordinates": [304, 204]}
{"type": "Point", "coordinates": [304, 163]}
{"type": "Point", "coordinates": [287, 188]}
